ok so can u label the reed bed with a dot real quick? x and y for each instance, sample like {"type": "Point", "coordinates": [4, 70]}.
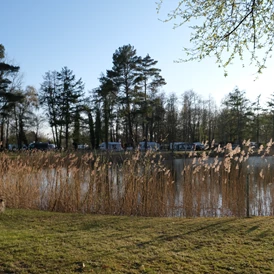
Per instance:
{"type": "Point", "coordinates": [87, 183]}
{"type": "Point", "coordinates": [236, 182]}
{"type": "Point", "coordinates": [233, 182]}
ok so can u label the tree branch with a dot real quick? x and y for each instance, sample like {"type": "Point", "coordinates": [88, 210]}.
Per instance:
{"type": "Point", "coordinates": [229, 33]}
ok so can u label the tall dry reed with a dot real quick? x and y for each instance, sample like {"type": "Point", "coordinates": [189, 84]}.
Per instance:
{"type": "Point", "coordinates": [218, 186]}
{"type": "Point", "coordinates": [140, 185]}
{"type": "Point", "coordinates": [215, 183]}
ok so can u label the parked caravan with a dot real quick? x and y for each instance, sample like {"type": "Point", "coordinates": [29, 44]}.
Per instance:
{"type": "Point", "coordinates": [199, 146]}
{"type": "Point", "coordinates": [39, 146]}
{"type": "Point", "coordinates": [150, 145]}
{"type": "Point", "coordinates": [114, 146]}
{"type": "Point", "coordinates": [181, 146]}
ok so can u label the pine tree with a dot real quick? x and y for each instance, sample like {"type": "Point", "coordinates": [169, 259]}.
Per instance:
{"type": "Point", "coordinates": [123, 75]}
{"type": "Point", "coordinates": [107, 95]}
{"type": "Point", "coordinates": [70, 94]}
{"type": "Point", "coordinates": [8, 94]}
{"type": "Point", "coordinates": [148, 81]}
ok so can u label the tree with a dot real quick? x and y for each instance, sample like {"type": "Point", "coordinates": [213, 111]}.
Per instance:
{"type": "Point", "coordinates": [48, 98]}
{"type": "Point", "coordinates": [226, 29]}
{"type": "Point", "coordinates": [69, 97]}
{"type": "Point", "coordinates": [91, 130]}
{"type": "Point", "coordinates": [89, 108]}
{"type": "Point", "coordinates": [36, 123]}
{"type": "Point", "coordinates": [98, 126]}
{"type": "Point", "coordinates": [107, 94]}
{"type": "Point", "coordinates": [190, 116]}
{"type": "Point", "coordinates": [256, 125]}
{"type": "Point", "coordinates": [212, 115]}
{"type": "Point", "coordinates": [270, 105]}
{"type": "Point", "coordinates": [5, 71]}
{"type": "Point", "coordinates": [2, 51]}
{"type": "Point", "coordinates": [238, 113]}
{"type": "Point", "coordinates": [23, 113]}
{"type": "Point", "coordinates": [8, 96]}
{"type": "Point", "coordinates": [148, 80]}
{"type": "Point", "coordinates": [76, 127]}
{"type": "Point", "coordinates": [62, 96]}
{"type": "Point", "coordinates": [158, 117]}
{"type": "Point", "coordinates": [123, 75]}
{"type": "Point", "coordinates": [171, 118]}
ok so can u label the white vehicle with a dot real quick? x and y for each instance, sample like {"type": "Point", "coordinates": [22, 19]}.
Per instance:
{"type": "Point", "coordinates": [82, 147]}
{"type": "Point", "coordinates": [114, 146]}
{"type": "Point", "coordinates": [150, 145]}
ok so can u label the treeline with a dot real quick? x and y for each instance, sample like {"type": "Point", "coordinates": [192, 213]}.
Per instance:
{"type": "Point", "coordinates": [129, 105]}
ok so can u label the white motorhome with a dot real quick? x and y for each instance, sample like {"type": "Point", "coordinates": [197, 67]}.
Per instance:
{"type": "Point", "coordinates": [114, 146]}
{"type": "Point", "coordinates": [150, 145]}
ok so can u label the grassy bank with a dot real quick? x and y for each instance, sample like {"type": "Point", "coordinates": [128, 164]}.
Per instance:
{"type": "Point", "coordinates": [44, 242]}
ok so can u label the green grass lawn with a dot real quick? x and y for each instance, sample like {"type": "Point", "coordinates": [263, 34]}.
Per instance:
{"type": "Point", "coordinates": [44, 242]}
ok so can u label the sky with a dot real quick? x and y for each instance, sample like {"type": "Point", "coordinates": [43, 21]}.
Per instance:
{"type": "Point", "coordinates": [46, 35]}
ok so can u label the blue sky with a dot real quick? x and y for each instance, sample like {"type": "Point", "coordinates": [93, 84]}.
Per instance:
{"type": "Point", "coordinates": [43, 35]}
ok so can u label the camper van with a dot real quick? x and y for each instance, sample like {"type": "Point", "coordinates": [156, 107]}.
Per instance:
{"type": "Point", "coordinates": [114, 146]}
{"type": "Point", "coordinates": [181, 146]}
{"type": "Point", "coordinates": [39, 146]}
{"type": "Point", "coordinates": [150, 145]}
